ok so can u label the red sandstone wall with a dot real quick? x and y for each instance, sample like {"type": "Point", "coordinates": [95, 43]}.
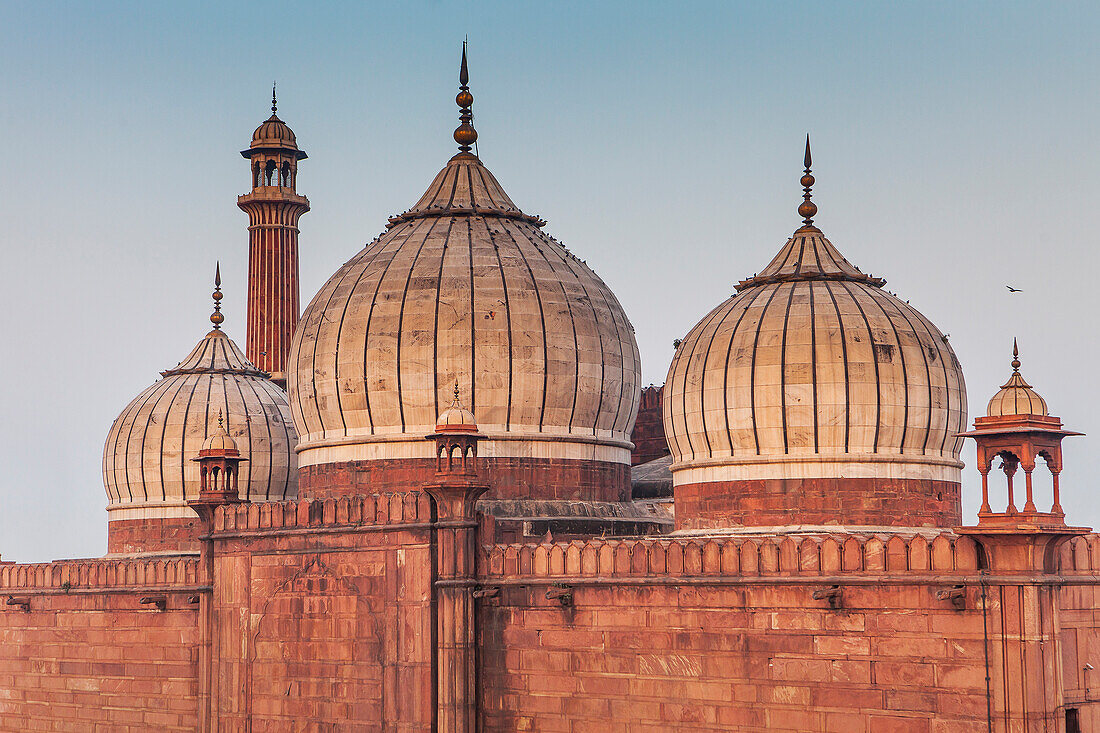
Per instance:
{"type": "Point", "coordinates": [648, 435]}
{"type": "Point", "coordinates": [1079, 600]}
{"type": "Point", "coordinates": [859, 501]}
{"type": "Point", "coordinates": [88, 656]}
{"type": "Point", "coordinates": [725, 635]}
{"type": "Point", "coordinates": [322, 612]}
{"type": "Point", "coordinates": [130, 536]}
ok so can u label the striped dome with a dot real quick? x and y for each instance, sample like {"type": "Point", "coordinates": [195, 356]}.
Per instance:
{"type": "Point", "coordinates": [464, 286]}
{"type": "Point", "coordinates": [274, 135]}
{"type": "Point", "coordinates": [812, 370]}
{"type": "Point", "coordinates": [1016, 397]}
{"type": "Point", "coordinates": [147, 466]}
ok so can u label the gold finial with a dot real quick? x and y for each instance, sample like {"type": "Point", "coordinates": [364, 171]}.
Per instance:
{"type": "Point", "coordinates": [221, 423]}
{"type": "Point", "coordinates": [274, 104]}
{"type": "Point", "coordinates": [1015, 357]}
{"type": "Point", "coordinates": [216, 317]}
{"type": "Point", "coordinates": [456, 403]}
{"type": "Point", "coordinates": [807, 208]}
{"type": "Point", "coordinates": [465, 134]}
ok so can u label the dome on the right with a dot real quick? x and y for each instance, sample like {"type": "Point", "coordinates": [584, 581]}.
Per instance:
{"type": "Point", "coordinates": [813, 396]}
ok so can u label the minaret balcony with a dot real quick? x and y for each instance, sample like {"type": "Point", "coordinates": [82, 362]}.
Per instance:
{"type": "Point", "coordinates": [281, 194]}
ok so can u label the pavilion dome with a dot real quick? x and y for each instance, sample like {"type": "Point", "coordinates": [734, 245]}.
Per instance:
{"type": "Point", "coordinates": [148, 469]}
{"type": "Point", "coordinates": [273, 132]}
{"type": "Point", "coordinates": [810, 372]}
{"type": "Point", "coordinates": [1016, 396]}
{"type": "Point", "coordinates": [456, 417]}
{"type": "Point", "coordinates": [273, 135]}
{"type": "Point", "coordinates": [466, 287]}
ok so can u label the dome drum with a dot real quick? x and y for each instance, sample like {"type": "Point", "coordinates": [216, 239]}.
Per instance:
{"type": "Point", "coordinates": [512, 477]}
{"type": "Point", "coordinates": [861, 502]}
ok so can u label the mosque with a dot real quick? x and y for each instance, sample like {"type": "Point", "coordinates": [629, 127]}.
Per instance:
{"type": "Point", "coordinates": [440, 500]}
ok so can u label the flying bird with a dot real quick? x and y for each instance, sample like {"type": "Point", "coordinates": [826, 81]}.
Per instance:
{"type": "Point", "coordinates": [1013, 290]}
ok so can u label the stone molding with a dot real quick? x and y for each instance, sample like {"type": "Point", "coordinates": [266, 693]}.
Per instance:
{"type": "Point", "coordinates": [945, 553]}
{"type": "Point", "coordinates": [105, 573]}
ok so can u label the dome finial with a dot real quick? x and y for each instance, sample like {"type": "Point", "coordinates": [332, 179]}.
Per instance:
{"type": "Point", "coordinates": [807, 208]}
{"type": "Point", "coordinates": [274, 103]}
{"type": "Point", "coordinates": [456, 402]}
{"type": "Point", "coordinates": [1015, 357]}
{"type": "Point", "coordinates": [216, 317]}
{"type": "Point", "coordinates": [465, 134]}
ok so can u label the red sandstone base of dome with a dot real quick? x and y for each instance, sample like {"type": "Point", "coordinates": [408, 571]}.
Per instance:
{"type": "Point", "coordinates": [177, 534]}
{"type": "Point", "coordinates": [847, 501]}
{"type": "Point", "coordinates": [508, 478]}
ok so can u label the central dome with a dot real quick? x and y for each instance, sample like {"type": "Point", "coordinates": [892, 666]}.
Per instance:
{"type": "Point", "coordinates": [466, 287]}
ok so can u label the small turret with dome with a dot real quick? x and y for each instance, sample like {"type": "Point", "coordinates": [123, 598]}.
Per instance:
{"type": "Point", "coordinates": [275, 137]}
{"type": "Point", "coordinates": [456, 418]}
{"type": "Point", "coordinates": [1018, 429]}
{"type": "Point", "coordinates": [465, 283]}
{"type": "Point", "coordinates": [812, 397]}
{"type": "Point", "coordinates": [149, 470]}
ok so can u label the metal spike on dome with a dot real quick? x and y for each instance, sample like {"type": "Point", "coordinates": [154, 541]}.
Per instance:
{"type": "Point", "coordinates": [807, 208]}
{"type": "Point", "coordinates": [456, 402]}
{"type": "Point", "coordinates": [464, 72]}
{"type": "Point", "coordinates": [274, 103]}
{"type": "Point", "coordinates": [1015, 356]}
{"type": "Point", "coordinates": [216, 317]}
{"type": "Point", "coordinates": [465, 134]}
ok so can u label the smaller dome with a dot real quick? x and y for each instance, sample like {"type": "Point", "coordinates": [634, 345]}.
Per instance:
{"type": "Point", "coordinates": [456, 418]}
{"type": "Point", "coordinates": [274, 136]}
{"type": "Point", "coordinates": [219, 442]}
{"type": "Point", "coordinates": [273, 133]}
{"type": "Point", "coordinates": [1016, 396]}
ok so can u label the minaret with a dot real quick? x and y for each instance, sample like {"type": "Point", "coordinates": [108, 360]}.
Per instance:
{"type": "Point", "coordinates": [273, 208]}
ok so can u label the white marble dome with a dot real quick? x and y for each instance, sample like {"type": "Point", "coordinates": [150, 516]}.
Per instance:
{"type": "Point", "coordinates": [1016, 396]}
{"type": "Point", "coordinates": [812, 370]}
{"type": "Point", "coordinates": [464, 286]}
{"type": "Point", "coordinates": [148, 469]}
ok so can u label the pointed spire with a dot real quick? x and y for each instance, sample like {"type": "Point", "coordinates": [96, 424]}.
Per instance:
{"type": "Point", "coordinates": [456, 403]}
{"type": "Point", "coordinates": [807, 208]}
{"type": "Point", "coordinates": [274, 102]}
{"type": "Point", "coordinates": [216, 317]}
{"type": "Point", "coordinates": [1015, 379]}
{"type": "Point", "coordinates": [465, 134]}
{"type": "Point", "coordinates": [221, 422]}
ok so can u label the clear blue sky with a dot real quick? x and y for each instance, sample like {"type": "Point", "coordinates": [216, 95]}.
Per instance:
{"type": "Point", "coordinates": [955, 149]}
